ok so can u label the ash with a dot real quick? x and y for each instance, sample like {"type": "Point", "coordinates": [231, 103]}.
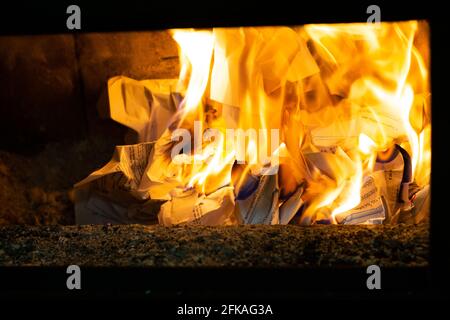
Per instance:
{"type": "Point", "coordinates": [37, 188]}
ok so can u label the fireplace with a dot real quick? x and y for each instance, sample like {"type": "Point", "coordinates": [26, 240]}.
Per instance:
{"type": "Point", "coordinates": [300, 147]}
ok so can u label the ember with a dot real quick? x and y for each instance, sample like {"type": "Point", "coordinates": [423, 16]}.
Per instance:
{"type": "Point", "coordinates": [274, 125]}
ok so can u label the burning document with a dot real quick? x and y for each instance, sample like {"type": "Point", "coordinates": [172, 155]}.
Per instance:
{"type": "Point", "coordinates": [145, 106]}
{"type": "Point", "coordinates": [370, 209]}
{"type": "Point", "coordinates": [188, 207]}
{"type": "Point", "coordinates": [262, 206]}
{"type": "Point", "coordinates": [274, 125]}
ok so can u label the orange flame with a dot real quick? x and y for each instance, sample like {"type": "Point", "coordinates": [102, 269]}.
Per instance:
{"type": "Point", "coordinates": [337, 94]}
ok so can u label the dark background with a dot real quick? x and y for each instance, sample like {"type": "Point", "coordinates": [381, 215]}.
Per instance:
{"type": "Point", "coordinates": [51, 83]}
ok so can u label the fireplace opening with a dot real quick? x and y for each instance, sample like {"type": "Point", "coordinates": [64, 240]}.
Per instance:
{"type": "Point", "coordinates": [198, 141]}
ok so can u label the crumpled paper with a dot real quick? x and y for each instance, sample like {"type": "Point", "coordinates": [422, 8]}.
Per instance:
{"type": "Point", "coordinates": [189, 207]}
{"type": "Point", "coordinates": [111, 194]}
{"type": "Point", "coordinates": [140, 182]}
{"type": "Point", "coordinates": [145, 106]}
{"type": "Point", "coordinates": [369, 211]}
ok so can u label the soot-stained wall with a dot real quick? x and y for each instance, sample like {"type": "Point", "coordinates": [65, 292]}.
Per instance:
{"type": "Point", "coordinates": [50, 84]}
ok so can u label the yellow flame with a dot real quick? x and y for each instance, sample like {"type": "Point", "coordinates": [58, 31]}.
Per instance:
{"type": "Point", "coordinates": [367, 82]}
{"type": "Point", "coordinates": [378, 68]}
{"type": "Point", "coordinates": [196, 52]}
{"type": "Point", "coordinates": [350, 195]}
{"type": "Point", "coordinates": [366, 145]}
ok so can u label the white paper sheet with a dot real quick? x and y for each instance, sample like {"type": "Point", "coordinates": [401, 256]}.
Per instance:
{"type": "Point", "coordinates": [144, 106]}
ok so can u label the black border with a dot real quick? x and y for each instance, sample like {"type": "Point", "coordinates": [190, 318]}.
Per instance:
{"type": "Point", "coordinates": [34, 17]}
{"type": "Point", "coordinates": [280, 284]}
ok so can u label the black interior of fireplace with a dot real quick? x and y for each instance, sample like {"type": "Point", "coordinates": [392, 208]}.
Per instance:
{"type": "Point", "coordinates": [51, 103]}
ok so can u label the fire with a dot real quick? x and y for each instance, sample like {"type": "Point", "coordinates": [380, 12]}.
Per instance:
{"type": "Point", "coordinates": [366, 145]}
{"type": "Point", "coordinates": [339, 98]}
{"type": "Point", "coordinates": [195, 52]}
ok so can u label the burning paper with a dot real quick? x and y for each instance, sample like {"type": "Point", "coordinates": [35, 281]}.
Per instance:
{"type": "Point", "coordinates": [291, 206]}
{"type": "Point", "coordinates": [188, 207]}
{"type": "Point", "coordinates": [370, 209]}
{"type": "Point", "coordinates": [265, 124]}
{"type": "Point", "coordinates": [145, 106]}
{"type": "Point", "coordinates": [262, 206]}
{"type": "Point", "coordinates": [259, 50]}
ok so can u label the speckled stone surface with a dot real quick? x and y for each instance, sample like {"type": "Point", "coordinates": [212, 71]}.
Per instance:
{"type": "Point", "coordinates": [198, 246]}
